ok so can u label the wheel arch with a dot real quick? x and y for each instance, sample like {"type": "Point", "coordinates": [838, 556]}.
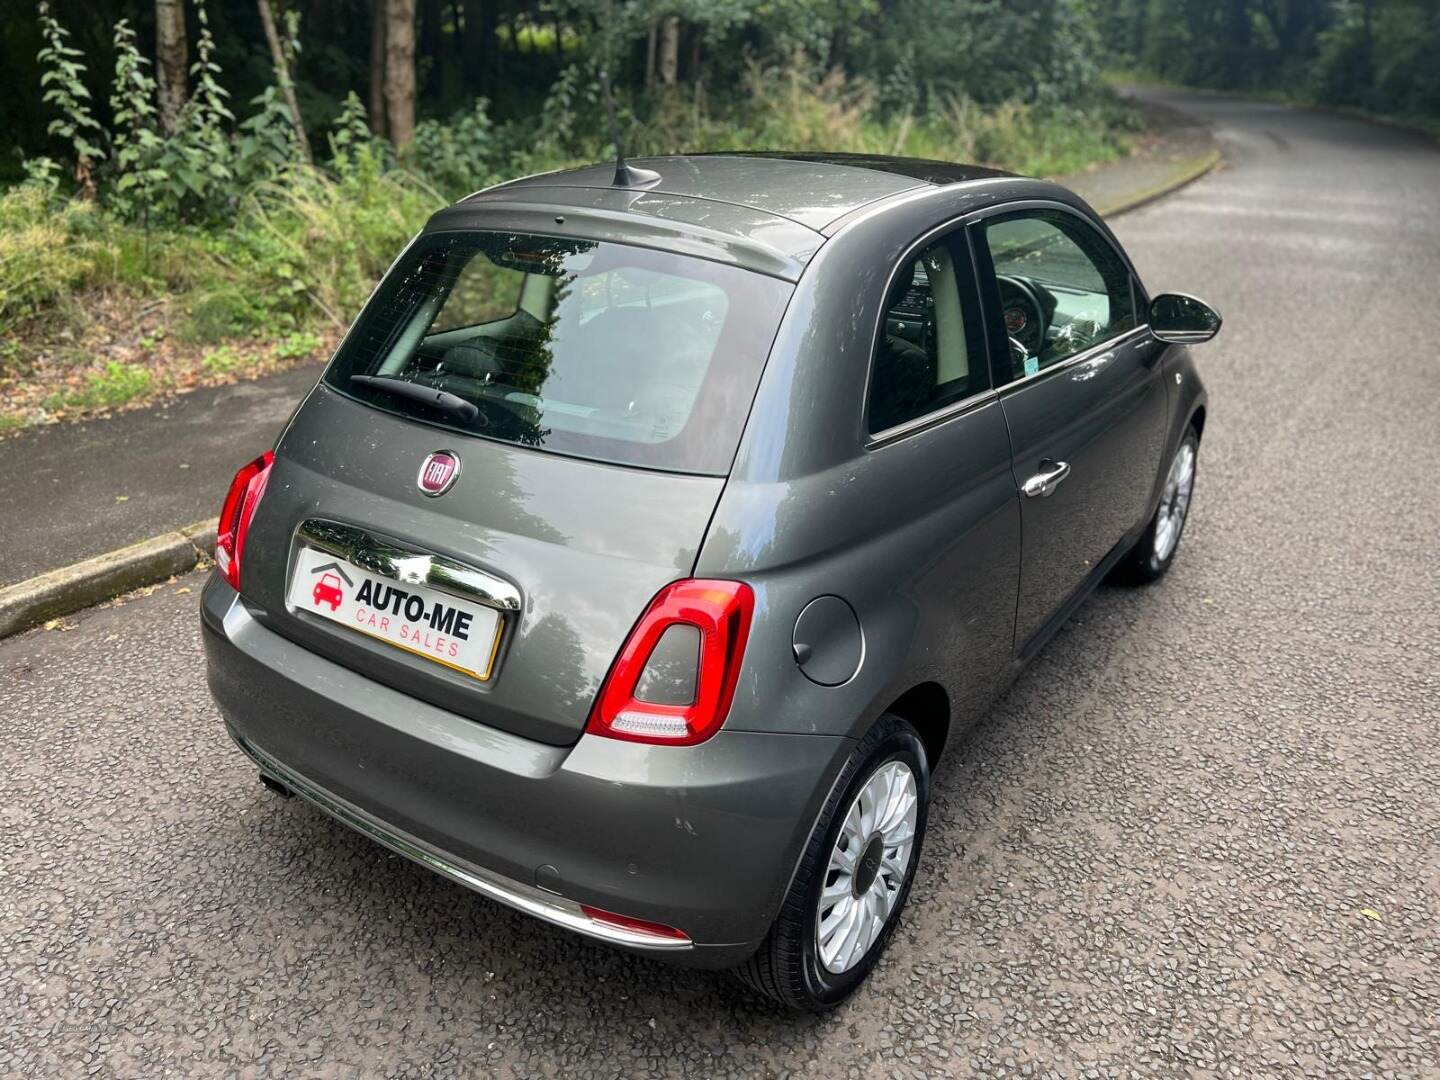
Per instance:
{"type": "Point", "coordinates": [1197, 421]}
{"type": "Point", "coordinates": [926, 708]}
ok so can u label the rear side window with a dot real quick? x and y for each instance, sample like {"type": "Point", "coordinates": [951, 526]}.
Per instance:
{"type": "Point", "coordinates": [597, 350]}
{"type": "Point", "coordinates": [930, 352]}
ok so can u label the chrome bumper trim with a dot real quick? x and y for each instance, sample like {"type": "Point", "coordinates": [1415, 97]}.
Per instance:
{"type": "Point", "coordinates": [532, 901]}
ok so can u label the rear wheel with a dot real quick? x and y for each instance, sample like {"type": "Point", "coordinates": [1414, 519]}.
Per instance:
{"type": "Point", "coordinates": [1153, 553]}
{"type": "Point", "coordinates": [854, 878]}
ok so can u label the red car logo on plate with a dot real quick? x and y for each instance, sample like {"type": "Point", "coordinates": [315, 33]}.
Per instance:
{"type": "Point", "coordinates": [327, 591]}
{"type": "Point", "coordinates": [438, 472]}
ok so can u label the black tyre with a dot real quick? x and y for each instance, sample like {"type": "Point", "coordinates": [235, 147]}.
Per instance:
{"type": "Point", "coordinates": [854, 877]}
{"type": "Point", "coordinates": [1153, 553]}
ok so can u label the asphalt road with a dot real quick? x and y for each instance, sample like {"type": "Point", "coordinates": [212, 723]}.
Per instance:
{"type": "Point", "coordinates": [1200, 836]}
{"type": "Point", "coordinates": [72, 491]}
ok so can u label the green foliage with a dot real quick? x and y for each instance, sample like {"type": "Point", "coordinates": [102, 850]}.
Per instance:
{"type": "Point", "coordinates": [243, 242]}
{"type": "Point", "coordinates": [138, 145]}
{"type": "Point", "coordinates": [44, 250]}
{"type": "Point", "coordinates": [350, 134]}
{"type": "Point", "coordinates": [118, 384]}
{"type": "Point", "coordinates": [294, 346]}
{"type": "Point", "coordinates": [63, 79]}
{"type": "Point", "coordinates": [197, 161]}
{"type": "Point", "coordinates": [221, 361]}
{"type": "Point", "coordinates": [458, 155]}
{"type": "Point", "coordinates": [1385, 63]}
{"type": "Point", "coordinates": [1039, 52]}
{"type": "Point", "coordinates": [266, 140]}
{"type": "Point", "coordinates": [1371, 54]}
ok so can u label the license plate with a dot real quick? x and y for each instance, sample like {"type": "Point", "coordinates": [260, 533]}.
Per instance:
{"type": "Point", "coordinates": [421, 620]}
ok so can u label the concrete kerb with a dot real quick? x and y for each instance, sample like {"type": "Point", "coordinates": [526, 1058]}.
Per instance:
{"type": "Point", "coordinates": [60, 592]}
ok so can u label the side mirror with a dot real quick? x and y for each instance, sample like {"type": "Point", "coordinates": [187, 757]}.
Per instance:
{"type": "Point", "coordinates": [1183, 320]}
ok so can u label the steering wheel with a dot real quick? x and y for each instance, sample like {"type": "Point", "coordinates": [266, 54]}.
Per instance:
{"type": "Point", "coordinates": [1024, 314]}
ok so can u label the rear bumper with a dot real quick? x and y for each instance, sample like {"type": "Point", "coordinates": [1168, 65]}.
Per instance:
{"type": "Point", "coordinates": [701, 838]}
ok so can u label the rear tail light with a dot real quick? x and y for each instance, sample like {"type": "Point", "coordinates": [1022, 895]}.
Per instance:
{"type": "Point", "coordinates": [639, 926]}
{"type": "Point", "coordinates": [235, 514]}
{"type": "Point", "coordinates": [720, 611]}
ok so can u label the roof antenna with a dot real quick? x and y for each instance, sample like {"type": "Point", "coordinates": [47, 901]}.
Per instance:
{"type": "Point", "coordinates": [626, 175]}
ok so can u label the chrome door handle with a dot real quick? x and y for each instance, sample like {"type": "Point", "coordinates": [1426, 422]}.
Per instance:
{"type": "Point", "coordinates": [1043, 484]}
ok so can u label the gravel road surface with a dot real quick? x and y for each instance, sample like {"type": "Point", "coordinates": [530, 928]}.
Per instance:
{"type": "Point", "coordinates": [1200, 836]}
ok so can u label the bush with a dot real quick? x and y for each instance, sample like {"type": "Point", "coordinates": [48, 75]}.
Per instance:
{"type": "Point", "coordinates": [44, 251]}
{"type": "Point", "coordinates": [458, 155]}
{"type": "Point", "coordinates": [306, 245]}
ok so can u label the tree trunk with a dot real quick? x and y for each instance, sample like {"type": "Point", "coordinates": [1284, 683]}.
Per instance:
{"type": "Point", "coordinates": [172, 61]}
{"type": "Point", "coordinates": [282, 75]}
{"type": "Point", "coordinates": [669, 50]}
{"type": "Point", "coordinates": [430, 31]}
{"type": "Point", "coordinates": [489, 51]}
{"type": "Point", "coordinates": [840, 48]}
{"type": "Point", "coordinates": [400, 70]}
{"type": "Point", "coordinates": [471, 50]}
{"type": "Point", "coordinates": [650, 56]}
{"type": "Point", "coordinates": [377, 68]}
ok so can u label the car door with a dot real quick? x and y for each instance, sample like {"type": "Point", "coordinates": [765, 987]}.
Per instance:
{"type": "Point", "coordinates": [1080, 386]}
{"type": "Point", "coordinates": [938, 447]}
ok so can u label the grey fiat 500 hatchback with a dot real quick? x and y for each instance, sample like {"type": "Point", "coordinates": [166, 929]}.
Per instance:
{"type": "Point", "coordinates": [653, 531]}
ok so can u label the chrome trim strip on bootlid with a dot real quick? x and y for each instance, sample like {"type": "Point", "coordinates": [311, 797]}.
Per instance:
{"type": "Point", "coordinates": [553, 909]}
{"type": "Point", "coordinates": [388, 558]}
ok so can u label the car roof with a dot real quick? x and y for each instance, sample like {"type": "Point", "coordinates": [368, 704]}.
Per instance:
{"type": "Point", "coordinates": [768, 210]}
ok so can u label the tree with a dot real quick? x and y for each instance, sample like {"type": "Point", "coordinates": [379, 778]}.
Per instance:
{"type": "Point", "coordinates": [400, 70]}
{"type": "Point", "coordinates": [172, 61]}
{"type": "Point", "coordinates": [377, 68]}
{"type": "Point", "coordinates": [282, 76]}
{"type": "Point", "coordinates": [669, 50]}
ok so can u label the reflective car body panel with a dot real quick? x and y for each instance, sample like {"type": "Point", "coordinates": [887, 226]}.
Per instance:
{"type": "Point", "coordinates": [953, 574]}
{"type": "Point", "coordinates": [586, 544]}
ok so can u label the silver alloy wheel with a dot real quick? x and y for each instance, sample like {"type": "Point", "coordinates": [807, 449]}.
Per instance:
{"type": "Point", "coordinates": [1174, 503]}
{"type": "Point", "coordinates": [868, 867]}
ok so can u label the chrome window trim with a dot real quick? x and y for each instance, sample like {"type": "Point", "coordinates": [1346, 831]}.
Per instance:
{"type": "Point", "coordinates": [391, 559]}
{"type": "Point", "coordinates": [930, 419]}
{"type": "Point", "coordinates": [1083, 356]}
{"type": "Point", "coordinates": [1102, 230]}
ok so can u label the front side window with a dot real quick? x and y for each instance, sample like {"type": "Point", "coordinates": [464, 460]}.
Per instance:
{"type": "Point", "coordinates": [930, 352]}
{"type": "Point", "coordinates": [594, 349]}
{"type": "Point", "coordinates": [1062, 287]}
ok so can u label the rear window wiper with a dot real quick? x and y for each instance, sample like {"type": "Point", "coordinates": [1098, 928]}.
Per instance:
{"type": "Point", "coordinates": [443, 400]}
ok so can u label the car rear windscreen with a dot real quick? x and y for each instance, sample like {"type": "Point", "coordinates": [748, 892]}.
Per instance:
{"type": "Point", "coordinates": [594, 349]}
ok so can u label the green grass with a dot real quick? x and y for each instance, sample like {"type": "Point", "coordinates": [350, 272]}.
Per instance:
{"type": "Point", "coordinates": [294, 346]}
{"type": "Point", "coordinates": [117, 385]}
{"type": "Point", "coordinates": [221, 361]}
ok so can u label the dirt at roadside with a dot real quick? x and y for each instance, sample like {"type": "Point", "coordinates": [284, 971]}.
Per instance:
{"type": "Point", "coordinates": [116, 353]}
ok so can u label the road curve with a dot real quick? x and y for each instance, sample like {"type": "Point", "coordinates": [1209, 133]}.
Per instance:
{"type": "Point", "coordinates": [1198, 836]}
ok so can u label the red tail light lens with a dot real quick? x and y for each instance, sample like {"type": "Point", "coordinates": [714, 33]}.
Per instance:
{"type": "Point", "coordinates": [235, 514]}
{"type": "Point", "coordinates": [720, 611]}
